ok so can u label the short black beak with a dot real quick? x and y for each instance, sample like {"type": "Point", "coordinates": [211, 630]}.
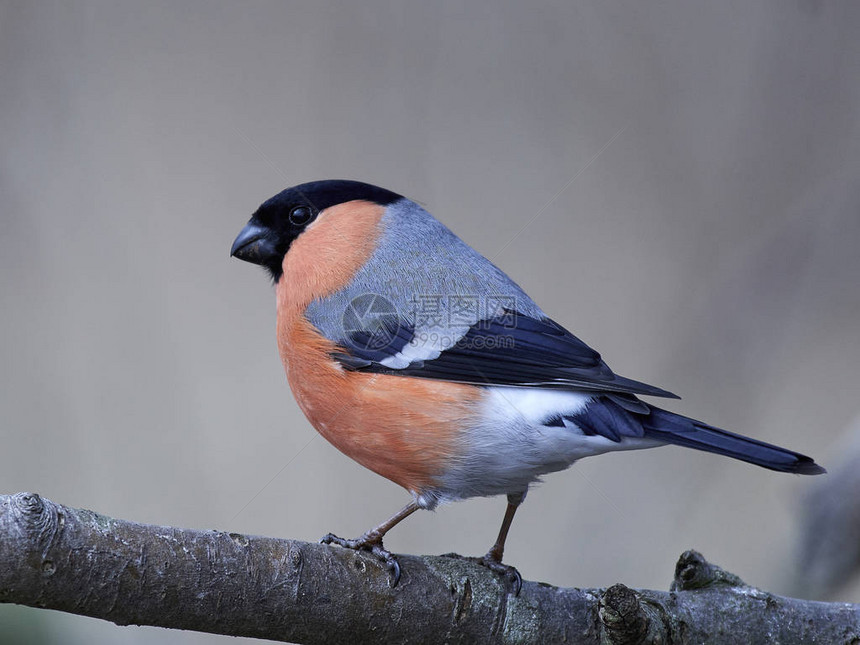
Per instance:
{"type": "Point", "coordinates": [253, 245]}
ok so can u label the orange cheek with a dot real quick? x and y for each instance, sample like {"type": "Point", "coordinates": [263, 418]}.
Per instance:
{"type": "Point", "coordinates": [326, 256]}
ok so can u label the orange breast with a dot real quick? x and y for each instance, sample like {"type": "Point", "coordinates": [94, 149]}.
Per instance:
{"type": "Point", "coordinates": [405, 429]}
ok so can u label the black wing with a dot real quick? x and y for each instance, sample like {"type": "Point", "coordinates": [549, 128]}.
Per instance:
{"type": "Point", "coordinates": [511, 349]}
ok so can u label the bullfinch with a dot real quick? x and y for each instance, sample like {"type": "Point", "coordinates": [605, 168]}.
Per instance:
{"type": "Point", "coordinates": [420, 359]}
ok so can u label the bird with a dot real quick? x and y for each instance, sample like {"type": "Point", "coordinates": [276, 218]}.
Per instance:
{"type": "Point", "coordinates": [416, 356]}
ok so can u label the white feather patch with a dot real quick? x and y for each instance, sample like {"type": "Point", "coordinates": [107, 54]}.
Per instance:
{"type": "Point", "coordinates": [426, 345]}
{"type": "Point", "coordinates": [510, 448]}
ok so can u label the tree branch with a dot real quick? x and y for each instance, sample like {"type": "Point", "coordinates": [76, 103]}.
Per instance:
{"type": "Point", "coordinates": [77, 561]}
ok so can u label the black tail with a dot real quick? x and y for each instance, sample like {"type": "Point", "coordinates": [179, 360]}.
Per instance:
{"type": "Point", "coordinates": [682, 431]}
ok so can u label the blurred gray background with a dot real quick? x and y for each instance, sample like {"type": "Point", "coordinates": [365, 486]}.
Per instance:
{"type": "Point", "coordinates": [695, 170]}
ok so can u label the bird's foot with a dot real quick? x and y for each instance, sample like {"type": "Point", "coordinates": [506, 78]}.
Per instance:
{"type": "Point", "coordinates": [508, 573]}
{"type": "Point", "coordinates": [373, 545]}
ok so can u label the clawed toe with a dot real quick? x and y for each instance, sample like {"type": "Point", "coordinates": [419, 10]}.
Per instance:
{"type": "Point", "coordinates": [391, 563]}
{"type": "Point", "coordinates": [371, 545]}
{"type": "Point", "coordinates": [505, 571]}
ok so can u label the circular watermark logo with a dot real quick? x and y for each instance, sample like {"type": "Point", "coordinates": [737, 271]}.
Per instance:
{"type": "Point", "coordinates": [371, 322]}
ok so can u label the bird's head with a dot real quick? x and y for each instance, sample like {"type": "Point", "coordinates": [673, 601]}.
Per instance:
{"type": "Point", "coordinates": [279, 221]}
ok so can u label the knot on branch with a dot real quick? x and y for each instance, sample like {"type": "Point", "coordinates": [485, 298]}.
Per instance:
{"type": "Point", "coordinates": [694, 572]}
{"type": "Point", "coordinates": [35, 519]}
{"type": "Point", "coordinates": [624, 619]}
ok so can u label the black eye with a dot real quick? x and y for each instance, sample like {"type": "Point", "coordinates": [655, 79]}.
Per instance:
{"type": "Point", "coordinates": [300, 215]}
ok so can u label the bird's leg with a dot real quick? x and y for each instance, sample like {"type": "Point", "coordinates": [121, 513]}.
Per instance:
{"type": "Point", "coordinates": [372, 541]}
{"type": "Point", "coordinates": [498, 549]}
{"type": "Point", "coordinates": [493, 559]}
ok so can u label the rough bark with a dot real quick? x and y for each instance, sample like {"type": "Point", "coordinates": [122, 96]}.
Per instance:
{"type": "Point", "coordinates": [74, 560]}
